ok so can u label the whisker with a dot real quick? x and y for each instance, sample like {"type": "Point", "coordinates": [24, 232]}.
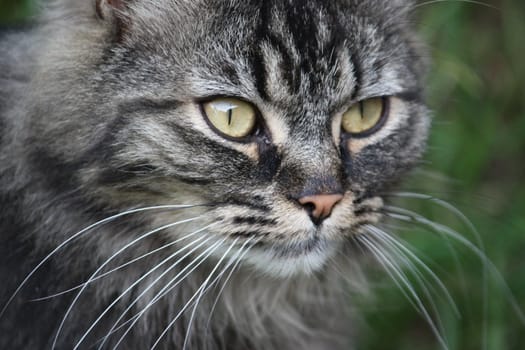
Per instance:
{"type": "Point", "coordinates": [204, 289]}
{"type": "Point", "coordinates": [55, 340]}
{"type": "Point", "coordinates": [409, 216]}
{"type": "Point", "coordinates": [115, 326]}
{"type": "Point", "coordinates": [451, 208]}
{"type": "Point", "coordinates": [430, 2]}
{"type": "Point", "coordinates": [419, 262]}
{"type": "Point", "coordinates": [237, 263]}
{"type": "Point", "coordinates": [165, 290]}
{"type": "Point", "coordinates": [393, 270]}
{"type": "Point", "coordinates": [444, 204]}
{"type": "Point", "coordinates": [392, 252]}
{"type": "Point", "coordinates": [463, 218]}
{"type": "Point", "coordinates": [78, 234]}
{"type": "Point", "coordinates": [386, 265]}
{"type": "Point", "coordinates": [108, 308]}
{"type": "Point", "coordinates": [120, 267]}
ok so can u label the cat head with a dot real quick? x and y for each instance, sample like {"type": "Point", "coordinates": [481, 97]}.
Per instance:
{"type": "Point", "coordinates": [285, 120]}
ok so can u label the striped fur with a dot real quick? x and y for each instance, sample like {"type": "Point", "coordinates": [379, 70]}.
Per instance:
{"type": "Point", "coordinates": [99, 113]}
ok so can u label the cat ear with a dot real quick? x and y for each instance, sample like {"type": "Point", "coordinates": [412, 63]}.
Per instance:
{"type": "Point", "coordinates": [110, 9]}
{"type": "Point", "coordinates": [114, 12]}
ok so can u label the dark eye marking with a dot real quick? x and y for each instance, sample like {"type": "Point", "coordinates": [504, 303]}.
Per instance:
{"type": "Point", "coordinates": [269, 162]}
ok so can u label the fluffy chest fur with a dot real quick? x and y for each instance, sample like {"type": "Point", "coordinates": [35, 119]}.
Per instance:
{"type": "Point", "coordinates": [132, 217]}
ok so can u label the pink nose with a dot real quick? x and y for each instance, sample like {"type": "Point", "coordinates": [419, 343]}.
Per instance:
{"type": "Point", "coordinates": [320, 206]}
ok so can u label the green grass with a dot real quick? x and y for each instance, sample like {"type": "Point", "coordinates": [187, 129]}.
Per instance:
{"type": "Point", "coordinates": [477, 92]}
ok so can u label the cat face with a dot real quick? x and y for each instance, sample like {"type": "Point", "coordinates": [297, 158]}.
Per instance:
{"type": "Point", "coordinates": [286, 119]}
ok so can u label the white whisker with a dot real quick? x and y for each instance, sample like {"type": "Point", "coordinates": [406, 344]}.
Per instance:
{"type": "Point", "coordinates": [108, 308]}
{"type": "Point", "coordinates": [430, 2]}
{"type": "Point", "coordinates": [447, 206]}
{"type": "Point", "coordinates": [61, 325]}
{"type": "Point", "coordinates": [203, 290]}
{"type": "Point", "coordinates": [120, 267]}
{"type": "Point", "coordinates": [78, 234]}
{"type": "Point", "coordinates": [409, 216]}
{"type": "Point", "coordinates": [410, 255]}
{"type": "Point", "coordinates": [165, 290]}
{"type": "Point", "coordinates": [394, 270]}
{"type": "Point", "coordinates": [450, 246]}
{"type": "Point", "coordinates": [386, 265]}
{"type": "Point", "coordinates": [451, 208]}
{"type": "Point", "coordinates": [232, 271]}
{"type": "Point", "coordinates": [454, 210]}
{"type": "Point", "coordinates": [392, 252]}
{"type": "Point", "coordinates": [115, 326]}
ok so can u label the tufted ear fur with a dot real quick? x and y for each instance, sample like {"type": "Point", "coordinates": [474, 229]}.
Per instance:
{"type": "Point", "coordinates": [114, 12]}
{"type": "Point", "coordinates": [107, 9]}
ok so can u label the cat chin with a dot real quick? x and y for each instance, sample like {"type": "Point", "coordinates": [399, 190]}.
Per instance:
{"type": "Point", "coordinates": [299, 259]}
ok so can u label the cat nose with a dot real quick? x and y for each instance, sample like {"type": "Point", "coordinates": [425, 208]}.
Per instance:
{"type": "Point", "coordinates": [320, 206]}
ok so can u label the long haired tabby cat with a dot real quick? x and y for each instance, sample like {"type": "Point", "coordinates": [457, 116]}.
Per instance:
{"type": "Point", "coordinates": [199, 174]}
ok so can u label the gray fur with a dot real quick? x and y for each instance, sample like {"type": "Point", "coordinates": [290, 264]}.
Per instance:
{"type": "Point", "coordinates": [99, 115]}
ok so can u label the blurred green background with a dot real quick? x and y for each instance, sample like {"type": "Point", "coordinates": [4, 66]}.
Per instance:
{"type": "Point", "coordinates": [476, 161]}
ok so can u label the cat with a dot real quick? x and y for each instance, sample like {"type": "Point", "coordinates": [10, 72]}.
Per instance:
{"type": "Point", "coordinates": [200, 174]}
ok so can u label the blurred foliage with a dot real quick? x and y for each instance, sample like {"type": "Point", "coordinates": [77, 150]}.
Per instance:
{"type": "Point", "coordinates": [475, 161]}
{"type": "Point", "coordinates": [13, 11]}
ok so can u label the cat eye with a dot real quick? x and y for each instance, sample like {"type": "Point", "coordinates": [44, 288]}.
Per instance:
{"type": "Point", "coordinates": [231, 117]}
{"type": "Point", "coordinates": [363, 117]}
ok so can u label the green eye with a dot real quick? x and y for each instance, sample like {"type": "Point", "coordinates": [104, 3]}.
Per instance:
{"type": "Point", "coordinates": [363, 116]}
{"type": "Point", "coordinates": [230, 116]}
